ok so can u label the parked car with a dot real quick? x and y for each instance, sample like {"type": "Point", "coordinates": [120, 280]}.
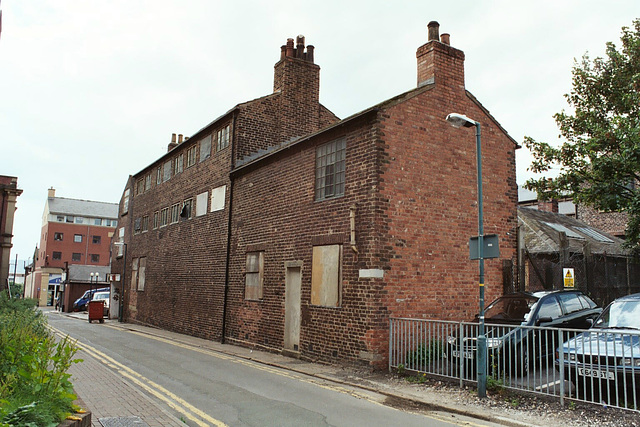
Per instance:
{"type": "Point", "coordinates": [608, 354]}
{"type": "Point", "coordinates": [103, 296]}
{"type": "Point", "coordinates": [513, 342]}
{"type": "Point", "coordinates": [81, 303]}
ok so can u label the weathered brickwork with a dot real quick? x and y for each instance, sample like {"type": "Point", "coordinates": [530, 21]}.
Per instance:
{"type": "Point", "coordinates": [612, 222]}
{"type": "Point", "coordinates": [401, 225]}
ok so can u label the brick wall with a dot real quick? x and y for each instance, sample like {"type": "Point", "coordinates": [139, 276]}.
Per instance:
{"type": "Point", "coordinates": [614, 223]}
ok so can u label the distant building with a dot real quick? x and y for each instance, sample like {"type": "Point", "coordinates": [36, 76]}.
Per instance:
{"type": "Point", "coordinates": [73, 232]}
{"type": "Point", "coordinates": [9, 193]}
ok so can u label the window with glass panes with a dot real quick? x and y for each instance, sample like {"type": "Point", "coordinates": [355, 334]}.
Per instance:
{"type": "Point", "coordinates": [222, 138]}
{"type": "Point", "coordinates": [330, 161]}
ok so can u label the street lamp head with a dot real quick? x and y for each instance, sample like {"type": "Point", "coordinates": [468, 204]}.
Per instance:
{"type": "Point", "coordinates": [458, 120]}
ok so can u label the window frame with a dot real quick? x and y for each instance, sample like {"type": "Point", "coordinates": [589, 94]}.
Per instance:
{"type": "Point", "coordinates": [330, 166]}
{"type": "Point", "coordinates": [205, 142]}
{"type": "Point", "coordinates": [56, 255]}
{"type": "Point", "coordinates": [77, 238]}
{"type": "Point", "coordinates": [254, 269]}
{"type": "Point", "coordinates": [93, 239]}
{"type": "Point", "coordinates": [178, 166]}
{"type": "Point", "coordinates": [222, 138]}
{"type": "Point", "coordinates": [58, 234]}
{"type": "Point", "coordinates": [79, 257]}
{"type": "Point", "coordinates": [191, 155]}
{"type": "Point", "coordinates": [175, 213]}
{"type": "Point", "coordinates": [95, 258]}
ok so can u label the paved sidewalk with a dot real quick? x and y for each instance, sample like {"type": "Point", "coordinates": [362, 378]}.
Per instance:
{"type": "Point", "coordinates": [107, 394]}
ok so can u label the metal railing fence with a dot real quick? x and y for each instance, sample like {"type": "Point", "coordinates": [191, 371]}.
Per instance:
{"type": "Point", "coordinates": [593, 366]}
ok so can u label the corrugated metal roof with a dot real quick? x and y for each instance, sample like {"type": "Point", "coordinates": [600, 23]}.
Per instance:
{"type": "Point", "coordinates": [86, 208]}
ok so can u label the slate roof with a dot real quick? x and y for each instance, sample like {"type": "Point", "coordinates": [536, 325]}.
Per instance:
{"type": "Point", "coordinates": [86, 208]}
{"type": "Point", "coordinates": [82, 273]}
{"type": "Point", "coordinates": [541, 232]}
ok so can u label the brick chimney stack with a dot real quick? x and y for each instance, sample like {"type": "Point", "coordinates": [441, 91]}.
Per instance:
{"type": "Point", "coordinates": [173, 144]}
{"type": "Point", "coordinates": [51, 193]}
{"type": "Point", "coordinates": [297, 79]}
{"type": "Point", "coordinates": [548, 205]}
{"type": "Point", "coordinates": [438, 62]}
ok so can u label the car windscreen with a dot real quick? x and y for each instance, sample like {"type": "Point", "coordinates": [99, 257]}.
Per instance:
{"type": "Point", "coordinates": [620, 314]}
{"type": "Point", "coordinates": [510, 308]}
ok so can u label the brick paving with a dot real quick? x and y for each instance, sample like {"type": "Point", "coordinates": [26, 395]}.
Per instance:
{"type": "Point", "coordinates": [107, 394]}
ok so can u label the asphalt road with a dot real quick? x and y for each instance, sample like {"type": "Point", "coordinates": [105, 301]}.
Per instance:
{"type": "Point", "coordinates": [220, 389]}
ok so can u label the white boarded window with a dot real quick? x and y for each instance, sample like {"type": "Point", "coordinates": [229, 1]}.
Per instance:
{"type": "Point", "coordinates": [121, 240]}
{"type": "Point", "coordinates": [142, 273]}
{"type": "Point", "coordinates": [217, 198]}
{"type": "Point", "coordinates": [201, 203]}
{"type": "Point", "coordinates": [325, 275]}
{"type": "Point", "coordinates": [254, 275]}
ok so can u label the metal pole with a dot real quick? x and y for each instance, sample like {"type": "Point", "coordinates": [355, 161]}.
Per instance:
{"type": "Point", "coordinates": [482, 339]}
{"type": "Point", "coordinates": [124, 270]}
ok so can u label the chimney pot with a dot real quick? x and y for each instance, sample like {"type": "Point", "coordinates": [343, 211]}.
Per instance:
{"type": "Point", "coordinates": [173, 137]}
{"type": "Point", "coordinates": [433, 30]}
{"type": "Point", "coordinates": [310, 49]}
{"type": "Point", "coordinates": [300, 47]}
{"type": "Point", "coordinates": [283, 52]}
{"type": "Point", "coordinates": [290, 48]}
{"type": "Point", "coordinates": [444, 38]}
{"type": "Point", "coordinates": [180, 139]}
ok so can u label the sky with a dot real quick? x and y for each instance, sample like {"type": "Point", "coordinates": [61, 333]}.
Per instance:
{"type": "Point", "coordinates": [91, 91]}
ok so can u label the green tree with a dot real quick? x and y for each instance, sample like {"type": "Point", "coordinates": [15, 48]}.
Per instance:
{"type": "Point", "coordinates": [599, 161]}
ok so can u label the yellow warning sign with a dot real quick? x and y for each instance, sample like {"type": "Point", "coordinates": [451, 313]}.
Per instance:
{"type": "Point", "coordinates": [568, 276]}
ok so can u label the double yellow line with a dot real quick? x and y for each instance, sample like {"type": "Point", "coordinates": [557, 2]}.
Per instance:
{"type": "Point", "coordinates": [185, 408]}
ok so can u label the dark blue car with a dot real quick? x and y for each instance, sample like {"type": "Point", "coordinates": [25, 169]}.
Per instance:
{"type": "Point", "coordinates": [81, 303]}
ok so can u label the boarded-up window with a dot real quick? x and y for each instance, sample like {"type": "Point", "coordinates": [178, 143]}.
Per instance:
{"type": "Point", "coordinates": [141, 273]}
{"type": "Point", "coordinates": [134, 273]}
{"type": "Point", "coordinates": [254, 275]}
{"type": "Point", "coordinates": [201, 203]}
{"type": "Point", "coordinates": [325, 275]}
{"type": "Point", "coordinates": [217, 198]}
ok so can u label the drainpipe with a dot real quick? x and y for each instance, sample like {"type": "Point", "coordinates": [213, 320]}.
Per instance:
{"type": "Point", "coordinates": [229, 218]}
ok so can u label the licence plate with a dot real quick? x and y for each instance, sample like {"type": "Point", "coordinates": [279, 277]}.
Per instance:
{"type": "Point", "coordinates": [596, 373]}
{"type": "Point", "coordinates": [466, 354]}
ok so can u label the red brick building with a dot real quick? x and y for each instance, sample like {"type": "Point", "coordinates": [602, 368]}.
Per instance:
{"type": "Point", "coordinates": [278, 225]}
{"type": "Point", "coordinates": [73, 232]}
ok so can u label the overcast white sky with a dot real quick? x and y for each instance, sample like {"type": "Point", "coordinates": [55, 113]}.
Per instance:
{"type": "Point", "coordinates": [90, 91]}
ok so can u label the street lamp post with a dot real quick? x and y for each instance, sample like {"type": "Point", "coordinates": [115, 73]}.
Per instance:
{"type": "Point", "coordinates": [457, 121]}
{"type": "Point", "coordinates": [124, 271]}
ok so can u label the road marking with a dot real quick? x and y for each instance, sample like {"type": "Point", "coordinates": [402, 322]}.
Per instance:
{"type": "Point", "coordinates": [319, 382]}
{"type": "Point", "coordinates": [175, 402]}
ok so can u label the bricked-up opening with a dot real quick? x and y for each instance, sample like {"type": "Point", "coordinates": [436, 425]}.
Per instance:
{"type": "Point", "coordinates": [438, 62]}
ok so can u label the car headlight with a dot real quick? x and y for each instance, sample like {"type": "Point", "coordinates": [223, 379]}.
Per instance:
{"type": "Point", "coordinates": [630, 361]}
{"type": "Point", "coordinates": [493, 342]}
